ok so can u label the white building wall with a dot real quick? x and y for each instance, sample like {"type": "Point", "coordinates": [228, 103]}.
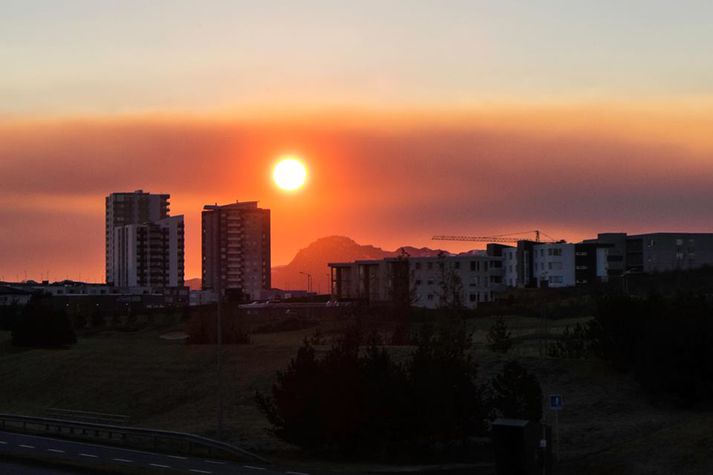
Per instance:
{"type": "Point", "coordinates": [602, 263]}
{"type": "Point", "coordinates": [510, 267]}
{"type": "Point", "coordinates": [554, 265]}
{"type": "Point", "coordinates": [428, 275]}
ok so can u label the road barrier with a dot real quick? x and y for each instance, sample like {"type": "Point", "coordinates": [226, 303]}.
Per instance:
{"type": "Point", "coordinates": [129, 437]}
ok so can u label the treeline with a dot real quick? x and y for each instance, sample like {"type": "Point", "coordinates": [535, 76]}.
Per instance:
{"type": "Point", "coordinates": [359, 399]}
{"type": "Point", "coordinates": [665, 343]}
{"type": "Point", "coordinates": [39, 324]}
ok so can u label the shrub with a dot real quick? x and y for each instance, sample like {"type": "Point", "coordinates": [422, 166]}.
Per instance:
{"type": "Point", "coordinates": [574, 343]}
{"type": "Point", "coordinates": [666, 344]}
{"type": "Point", "coordinates": [499, 337]}
{"type": "Point", "coordinates": [516, 393]}
{"type": "Point", "coordinates": [41, 325]}
{"type": "Point", "coordinates": [355, 400]}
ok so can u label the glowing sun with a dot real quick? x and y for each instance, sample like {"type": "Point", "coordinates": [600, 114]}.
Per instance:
{"type": "Point", "coordinates": [289, 174]}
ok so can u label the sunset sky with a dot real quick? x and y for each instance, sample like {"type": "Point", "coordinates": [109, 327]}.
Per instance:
{"type": "Point", "coordinates": [414, 118]}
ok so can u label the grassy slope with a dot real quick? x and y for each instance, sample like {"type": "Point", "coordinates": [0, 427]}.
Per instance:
{"type": "Point", "coordinates": [607, 424]}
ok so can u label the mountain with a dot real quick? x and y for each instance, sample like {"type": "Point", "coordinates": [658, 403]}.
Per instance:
{"type": "Point", "coordinates": [193, 284]}
{"type": "Point", "coordinates": [314, 259]}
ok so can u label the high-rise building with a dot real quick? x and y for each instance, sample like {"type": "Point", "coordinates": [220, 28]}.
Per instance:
{"type": "Point", "coordinates": [236, 248]}
{"type": "Point", "coordinates": [128, 208]}
{"type": "Point", "coordinates": [149, 254]}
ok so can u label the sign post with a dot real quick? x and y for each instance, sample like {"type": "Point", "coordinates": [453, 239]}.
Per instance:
{"type": "Point", "coordinates": [556, 406]}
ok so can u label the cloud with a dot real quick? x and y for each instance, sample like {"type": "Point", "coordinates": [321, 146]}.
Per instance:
{"type": "Point", "coordinates": [385, 180]}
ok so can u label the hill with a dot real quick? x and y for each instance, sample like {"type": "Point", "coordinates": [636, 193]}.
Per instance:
{"type": "Point", "coordinates": [193, 284]}
{"type": "Point", "coordinates": [314, 259]}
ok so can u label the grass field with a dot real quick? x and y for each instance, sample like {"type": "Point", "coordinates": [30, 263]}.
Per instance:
{"type": "Point", "coordinates": [607, 426]}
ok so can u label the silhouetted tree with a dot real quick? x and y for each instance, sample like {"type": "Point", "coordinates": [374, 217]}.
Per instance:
{"type": "Point", "coordinates": [42, 325]}
{"type": "Point", "coordinates": [516, 393]}
{"type": "Point", "coordinates": [357, 399]}
{"type": "Point", "coordinates": [8, 316]}
{"type": "Point", "coordinates": [499, 336]}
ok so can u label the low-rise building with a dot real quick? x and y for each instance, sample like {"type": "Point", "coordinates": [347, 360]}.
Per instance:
{"type": "Point", "coordinates": [656, 252]}
{"type": "Point", "coordinates": [429, 282]}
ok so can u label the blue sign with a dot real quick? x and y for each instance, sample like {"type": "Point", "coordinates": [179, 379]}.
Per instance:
{"type": "Point", "coordinates": [555, 402]}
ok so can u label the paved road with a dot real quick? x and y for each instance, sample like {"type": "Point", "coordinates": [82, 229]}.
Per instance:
{"type": "Point", "coordinates": [118, 459]}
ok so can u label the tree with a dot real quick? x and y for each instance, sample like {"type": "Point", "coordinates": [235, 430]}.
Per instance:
{"type": "Point", "coordinates": [357, 399]}
{"type": "Point", "coordinates": [516, 393]}
{"type": "Point", "coordinates": [499, 336]}
{"type": "Point", "coordinates": [42, 325]}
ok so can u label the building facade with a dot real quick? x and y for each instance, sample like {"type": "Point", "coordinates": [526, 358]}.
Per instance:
{"type": "Point", "coordinates": [656, 252]}
{"type": "Point", "coordinates": [553, 265]}
{"type": "Point", "coordinates": [428, 282]}
{"type": "Point", "coordinates": [236, 249]}
{"type": "Point", "coordinates": [149, 254]}
{"type": "Point", "coordinates": [126, 208]}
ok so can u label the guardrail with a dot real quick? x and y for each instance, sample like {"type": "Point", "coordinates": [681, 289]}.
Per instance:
{"type": "Point", "coordinates": [87, 416]}
{"type": "Point", "coordinates": [130, 437]}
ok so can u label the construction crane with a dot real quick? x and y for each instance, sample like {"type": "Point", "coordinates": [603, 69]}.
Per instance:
{"type": "Point", "coordinates": [500, 238]}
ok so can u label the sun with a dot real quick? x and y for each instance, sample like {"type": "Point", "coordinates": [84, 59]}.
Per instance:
{"type": "Point", "coordinates": [289, 174]}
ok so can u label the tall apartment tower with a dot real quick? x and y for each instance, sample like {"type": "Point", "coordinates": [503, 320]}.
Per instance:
{"type": "Point", "coordinates": [236, 248]}
{"type": "Point", "coordinates": [129, 208]}
{"type": "Point", "coordinates": [149, 254]}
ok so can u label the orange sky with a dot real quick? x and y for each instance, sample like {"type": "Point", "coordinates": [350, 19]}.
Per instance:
{"type": "Point", "coordinates": [381, 177]}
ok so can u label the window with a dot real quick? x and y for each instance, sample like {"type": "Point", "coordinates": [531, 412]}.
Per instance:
{"type": "Point", "coordinates": [472, 266]}
{"type": "Point", "coordinates": [557, 251]}
{"type": "Point", "coordinates": [418, 282]}
{"type": "Point", "coordinates": [456, 265]}
{"type": "Point", "coordinates": [472, 297]}
{"type": "Point", "coordinates": [430, 266]}
{"type": "Point", "coordinates": [430, 297]}
{"type": "Point", "coordinates": [418, 266]}
{"type": "Point", "coordinates": [430, 282]}
{"type": "Point", "coordinates": [556, 279]}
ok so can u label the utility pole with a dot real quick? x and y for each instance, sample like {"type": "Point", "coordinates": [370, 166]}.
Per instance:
{"type": "Point", "coordinates": [309, 280]}
{"type": "Point", "coordinates": [219, 342]}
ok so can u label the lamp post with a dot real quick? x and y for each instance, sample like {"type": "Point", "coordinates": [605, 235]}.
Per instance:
{"type": "Point", "coordinates": [309, 280]}
{"type": "Point", "coordinates": [219, 357]}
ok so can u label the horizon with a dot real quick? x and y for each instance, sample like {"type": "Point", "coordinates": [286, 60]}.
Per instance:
{"type": "Point", "coordinates": [490, 118]}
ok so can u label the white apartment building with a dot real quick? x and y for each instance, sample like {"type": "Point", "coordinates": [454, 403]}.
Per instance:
{"type": "Point", "coordinates": [428, 282]}
{"type": "Point", "coordinates": [553, 265]}
{"type": "Point", "coordinates": [509, 256]}
{"type": "Point", "coordinates": [149, 254]}
{"type": "Point", "coordinates": [125, 208]}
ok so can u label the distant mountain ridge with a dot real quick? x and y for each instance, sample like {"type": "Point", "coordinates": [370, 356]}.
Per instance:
{"type": "Point", "coordinates": [314, 260]}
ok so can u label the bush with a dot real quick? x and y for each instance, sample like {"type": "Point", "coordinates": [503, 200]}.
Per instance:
{"type": "Point", "coordinates": [499, 337]}
{"type": "Point", "coordinates": [666, 344]}
{"type": "Point", "coordinates": [574, 343]}
{"type": "Point", "coordinates": [8, 316]}
{"type": "Point", "coordinates": [41, 325]}
{"type": "Point", "coordinates": [355, 400]}
{"type": "Point", "coordinates": [516, 393]}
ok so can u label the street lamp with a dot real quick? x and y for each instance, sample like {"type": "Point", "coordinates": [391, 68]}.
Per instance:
{"type": "Point", "coordinates": [219, 357]}
{"type": "Point", "coordinates": [309, 280]}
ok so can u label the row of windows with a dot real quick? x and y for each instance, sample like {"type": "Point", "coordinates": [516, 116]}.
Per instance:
{"type": "Point", "coordinates": [475, 266]}
{"type": "Point", "coordinates": [476, 297]}
{"type": "Point", "coordinates": [550, 266]}
{"type": "Point", "coordinates": [552, 251]}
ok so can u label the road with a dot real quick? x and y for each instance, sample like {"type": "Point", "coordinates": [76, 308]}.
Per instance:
{"type": "Point", "coordinates": [56, 451]}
